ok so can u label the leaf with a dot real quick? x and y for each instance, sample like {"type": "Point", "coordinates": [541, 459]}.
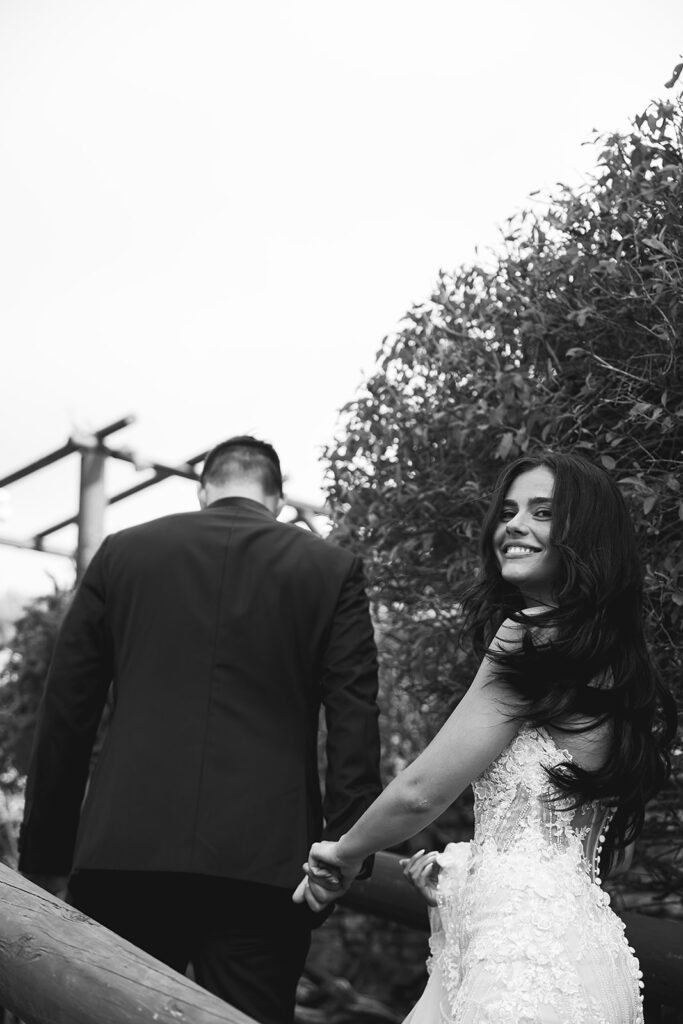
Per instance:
{"type": "Point", "coordinates": [503, 449]}
{"type": "Point", "coordinates": [656, 243]}
{"type": "Point", "coordinates": [607, 461]}
{"type": "Point", "coordinates": [649, 504]}
{"type": "Point", "coordinates": [635, 481]}
{"type": "Point", "coordinates": [674, 76]}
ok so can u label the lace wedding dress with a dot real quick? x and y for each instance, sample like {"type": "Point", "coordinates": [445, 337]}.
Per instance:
{"type": "Point", "coordinates": [523, 933]}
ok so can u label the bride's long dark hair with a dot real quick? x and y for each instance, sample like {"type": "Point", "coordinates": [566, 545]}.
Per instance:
{"type": "Point", "coordinates": [588, 655]}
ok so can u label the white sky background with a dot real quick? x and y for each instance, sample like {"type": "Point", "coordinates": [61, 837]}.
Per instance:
{"type": "Point", "coordinates": [211, 212]}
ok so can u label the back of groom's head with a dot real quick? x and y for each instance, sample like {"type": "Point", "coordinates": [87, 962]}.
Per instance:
{"type": "Point", "coordinates": [243, 458]}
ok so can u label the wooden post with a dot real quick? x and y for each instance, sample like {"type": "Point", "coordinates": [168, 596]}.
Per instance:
{"type": "Point", "coordinates": [91, 506]}
{"type": "Point", "coordinates": [58, 966]}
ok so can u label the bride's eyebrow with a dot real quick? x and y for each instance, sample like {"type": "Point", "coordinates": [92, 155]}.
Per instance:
{"type": "Point", "coordinates": [508, 503]}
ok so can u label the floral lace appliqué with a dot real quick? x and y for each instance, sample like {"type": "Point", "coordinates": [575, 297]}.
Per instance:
{"type": "Point", "coordinates": [523, 932]}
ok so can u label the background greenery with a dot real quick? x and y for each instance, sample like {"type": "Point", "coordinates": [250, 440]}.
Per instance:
{"type": "Point", "coordinates": [569, 338]}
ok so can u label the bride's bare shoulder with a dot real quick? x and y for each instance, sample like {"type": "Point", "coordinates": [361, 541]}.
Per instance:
{"type": "Point", "coordinates": [589, 746]}
{"type": "Point", "coordinates": [511, 632]}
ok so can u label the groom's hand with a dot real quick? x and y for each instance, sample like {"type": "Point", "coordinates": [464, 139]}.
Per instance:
{"type": "Point", "coordinates": [319, 887]}
{"type": "Point", "coordinates": [324, 878]}
{"type": "Point", "coordinates": [328, 876]}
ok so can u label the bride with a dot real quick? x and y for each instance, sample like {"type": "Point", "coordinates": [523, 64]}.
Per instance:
{"type": "Point", "coordinates": [564, 734]}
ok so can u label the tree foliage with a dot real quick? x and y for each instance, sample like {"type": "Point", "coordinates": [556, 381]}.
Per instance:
{"type": "Point", "coordinates": [22, 677]}
{"type": "Point", "coordinates": [26, 655]}
{"type": "Point", "coordinates": [569, 338]}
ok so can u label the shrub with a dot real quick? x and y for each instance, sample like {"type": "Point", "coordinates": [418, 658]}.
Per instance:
{"type": "Point", "coordinates": [569, 338]}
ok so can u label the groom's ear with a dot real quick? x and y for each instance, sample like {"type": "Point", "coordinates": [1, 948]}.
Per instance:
{"type": "Point", "coordinates": [201, 494]}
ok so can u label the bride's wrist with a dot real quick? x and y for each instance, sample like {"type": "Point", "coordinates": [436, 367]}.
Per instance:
{"type": "Point", "coordinates": [347, 856]}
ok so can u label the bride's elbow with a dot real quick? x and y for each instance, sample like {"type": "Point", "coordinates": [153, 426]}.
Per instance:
{"type": "Point", "coordinates": [413, 795]}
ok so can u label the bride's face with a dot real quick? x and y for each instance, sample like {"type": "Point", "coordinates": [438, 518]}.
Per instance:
{"type": "Point", "coordinates": [521, 539]}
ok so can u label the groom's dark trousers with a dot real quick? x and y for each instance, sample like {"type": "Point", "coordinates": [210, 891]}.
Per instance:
{"type": "Point", "coordinates": [221, 633]}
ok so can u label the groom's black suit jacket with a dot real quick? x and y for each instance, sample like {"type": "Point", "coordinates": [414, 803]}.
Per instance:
{"type": "Point", "coordinates": [222, 631]}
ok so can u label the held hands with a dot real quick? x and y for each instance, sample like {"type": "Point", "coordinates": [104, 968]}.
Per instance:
{"type": "Point", "coordinates": [327, 876]}
{"type": "Point", "coordinates": [422, 869]}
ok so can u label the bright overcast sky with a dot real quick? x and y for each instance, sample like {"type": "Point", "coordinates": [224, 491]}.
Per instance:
{"type": "Point", "coordinates": [211, 212]}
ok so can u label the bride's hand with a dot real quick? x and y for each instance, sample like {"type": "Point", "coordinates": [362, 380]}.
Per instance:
{"type": "Point", "coordinates": [422, 869]}
{"type": "Point", "coordinates": [327, 876]}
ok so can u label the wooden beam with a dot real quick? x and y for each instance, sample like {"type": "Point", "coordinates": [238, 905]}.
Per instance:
{"type": "Point", "coordinates": [159, 467]}
{"type": "Point", "coordinates": [303, 509]}
{"type": "Point", "coordinates": [117, 425]}
{"type": "Point", "coordinates": [58, 966]}
{"type": "Point", "coordinates": [67, 449]}
{"type": "Point", "coordinates": [388, 894]}
{"type": "Point", "coordinates": [159, 474]}
{"type": "Point", "coordinates": [658, 942]}
{"type": "Point", "coordinates": [46, 460]}
{"type": "Point", "coordinates": [35, 545]}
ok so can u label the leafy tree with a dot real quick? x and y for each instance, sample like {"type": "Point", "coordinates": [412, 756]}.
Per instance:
{"type": "Point", "coordinates": [27, 652]}
{"type": "Point", "coordinates": [569, 338]}
{"type": "Point", "coordinates": [22, 678]}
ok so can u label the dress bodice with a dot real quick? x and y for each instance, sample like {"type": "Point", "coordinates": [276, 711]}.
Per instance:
{"type": "Point", "coordinates": [517, 806]}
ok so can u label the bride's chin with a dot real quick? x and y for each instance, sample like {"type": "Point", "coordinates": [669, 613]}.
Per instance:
{"type": "Point", "coordinates": [514, 574]}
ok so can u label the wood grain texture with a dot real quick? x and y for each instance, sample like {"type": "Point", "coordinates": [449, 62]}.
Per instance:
{"type": "Point", "coordinates": [58, 966]}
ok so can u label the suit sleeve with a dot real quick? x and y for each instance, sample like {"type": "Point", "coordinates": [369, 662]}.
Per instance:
{"type": "Point", "coordinates": [70, 710]}
{"type": "Point", "coordinates": [349, 694]}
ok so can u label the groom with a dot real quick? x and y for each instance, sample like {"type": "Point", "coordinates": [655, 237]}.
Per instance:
{"type": "Point", "coordinates": [221, 632]}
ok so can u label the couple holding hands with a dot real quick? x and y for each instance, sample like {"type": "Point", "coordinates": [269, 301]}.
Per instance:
{"type": "Point", "coordinates": [219, 634]}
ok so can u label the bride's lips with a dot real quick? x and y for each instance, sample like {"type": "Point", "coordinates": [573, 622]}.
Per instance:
{"type": "Point", "coordinates": [518, 551]}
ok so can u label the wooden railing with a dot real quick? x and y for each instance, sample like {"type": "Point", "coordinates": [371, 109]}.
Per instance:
{"type": "Point", "coordinates": [59, 967]}
{"type": "Point", "coordinates": [658, 943]}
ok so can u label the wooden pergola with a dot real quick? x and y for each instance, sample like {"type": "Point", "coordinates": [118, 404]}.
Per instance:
{"type": "Point", "coordinates": [94, 451]}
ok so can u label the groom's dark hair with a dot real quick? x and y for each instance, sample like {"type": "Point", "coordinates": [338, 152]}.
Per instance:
{"type": "Point", "coordinates": [244, 456]}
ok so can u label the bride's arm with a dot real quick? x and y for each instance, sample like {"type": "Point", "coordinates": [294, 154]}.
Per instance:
{"type": "Point", "coordinates": [473, 736]}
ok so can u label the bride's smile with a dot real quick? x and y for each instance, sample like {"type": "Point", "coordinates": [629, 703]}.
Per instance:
{"type": "Point", "coordinates": [525, 554]}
